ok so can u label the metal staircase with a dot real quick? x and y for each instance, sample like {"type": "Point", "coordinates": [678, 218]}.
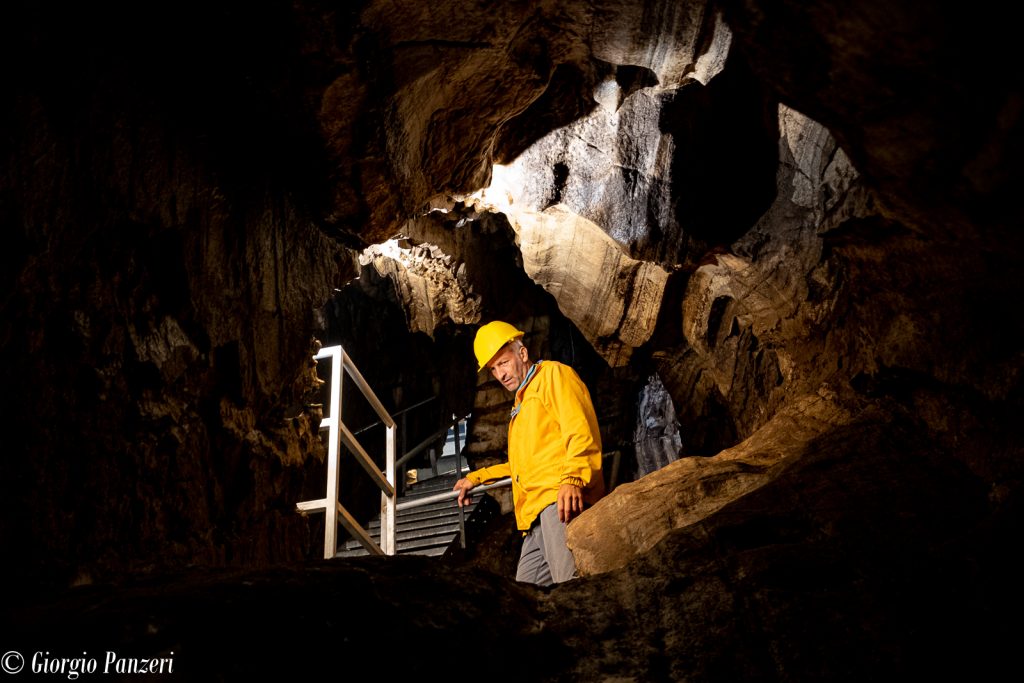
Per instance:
{"type": "Point", "coordinates": [428, 530]}
{"type": "Point", "coordinates": [432, 528]}
{"type": "Point", "coordinates": [426, 519]}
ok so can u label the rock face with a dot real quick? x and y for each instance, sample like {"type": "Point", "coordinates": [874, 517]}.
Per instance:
{"type": "Point", "coordinates": [615, 300]}
{"type": "Point", "coordinates": [625, 524]}
{"type": "Point", "coordinates": [799, 216]}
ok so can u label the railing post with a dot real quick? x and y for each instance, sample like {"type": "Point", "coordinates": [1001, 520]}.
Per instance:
{"type": "Point", "coordinates": [387, 512]}
{"type": "Point", "coordinates": [334, 512]}
{"type": "Point", "coordinates": [333, 423]}
{"type": "Point", "coordinates": [458, 475]}
{"type": "Point", "coordinates": [402, 435]}
{"type": "Point", "coordinates": [458, 451]}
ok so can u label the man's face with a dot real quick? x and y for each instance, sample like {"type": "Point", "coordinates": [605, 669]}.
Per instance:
{"type": "Point", "coordinates": [510, 365]}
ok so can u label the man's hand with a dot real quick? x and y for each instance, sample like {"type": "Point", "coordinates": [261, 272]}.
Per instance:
{"type": "Point", "coordinates": [570, 502]}
{"type": "Point", "coordinates": [463, 486]}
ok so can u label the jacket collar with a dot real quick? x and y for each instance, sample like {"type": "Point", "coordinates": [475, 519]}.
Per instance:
{"type": "Point", "coordinates": [522, 387]}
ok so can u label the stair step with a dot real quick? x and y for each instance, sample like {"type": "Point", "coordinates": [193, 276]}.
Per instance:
{"type": "Point", "coordinates": [428, 529]}
{"type": "Point", "coordinates": [415, 527]}
{"type": "Point", "coordinates": [419, 545]}
{"type": "Point", "coordinates": [435, 551]}
{"type": "Point", "coordinates": [446, 468]}
{"type": "Point", "coordinates": [428, 487]}
{"type": "Point", "coordinates": [436, 505]}
{"type": "Point", "coordinates": [414, 515]}
{"type": "Point", "coordinates": [439, 482]}
{"type": "Point", "coordinates": [449, 504]}
{"type": "Point", "coordinates": [421, 524]}
{"type": "Point", "coordinates": [444, 530]}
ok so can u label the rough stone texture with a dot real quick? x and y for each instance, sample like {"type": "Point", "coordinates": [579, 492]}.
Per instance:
{"type": "Point", "coordinates": [162, 282]}
{"type": "Point", "coordinates": [923, 94]}
{"type": "Point", "coordinates": [613, 299]}
{"type": "Point", "coordinates": [629, 521]}
{"type": "Point", "coordinates": [650, 161]}
{"type": "Point", "coordinates": [165, 213]}
{"type": "Point", "coordinates": [749, 315]}
{"type": "Point", "coordinates": [421, 96]}
{"type": "Point", "coordinates": [425, 279]}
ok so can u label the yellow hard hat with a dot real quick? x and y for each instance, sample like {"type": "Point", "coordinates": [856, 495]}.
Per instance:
{"type": "Point", "coordinates": [490, 338]}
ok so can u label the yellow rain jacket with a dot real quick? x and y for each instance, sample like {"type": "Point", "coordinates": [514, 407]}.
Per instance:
{"type": "Point", "coordinates": [553, 439]}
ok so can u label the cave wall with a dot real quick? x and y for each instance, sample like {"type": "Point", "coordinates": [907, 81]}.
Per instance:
{"type": "Point", "coordinates": [828, 188]}
{"type": "Point", "coordinates": [163, 277]}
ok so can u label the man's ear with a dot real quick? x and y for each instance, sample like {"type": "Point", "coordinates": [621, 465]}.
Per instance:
{"type": "Point", "coordinates": [524, 355]}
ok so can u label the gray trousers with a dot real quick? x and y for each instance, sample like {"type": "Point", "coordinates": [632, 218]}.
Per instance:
{"type": "Point", "coordinates": [545, 558]}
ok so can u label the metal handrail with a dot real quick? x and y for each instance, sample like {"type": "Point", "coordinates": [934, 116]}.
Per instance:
{"type": "Point", "coordinates": [454, 426]}
{"type": "Point", "coordinates": [438, 497]}
{"type": "Point", "coordinates": [333, 509]}
{"type": "Point", "coordinates": [426, 442]}
{"type": "Point", "coordinates": [340, 434]}
{"type": "Point", "coordinates": [396, 414]}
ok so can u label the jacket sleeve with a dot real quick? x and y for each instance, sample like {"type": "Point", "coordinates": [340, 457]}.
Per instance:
{"type": "Point", "coordinates": [581, 436]}
{"type": "Point", "coordinates": [492, 473]}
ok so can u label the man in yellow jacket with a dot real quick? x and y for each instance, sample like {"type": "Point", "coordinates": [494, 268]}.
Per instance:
{"type": "Point", "coordinates": [554, 451]}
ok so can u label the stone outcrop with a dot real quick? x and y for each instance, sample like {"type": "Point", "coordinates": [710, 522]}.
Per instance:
{"type": "Point", "coordinates": [629, 522]}
{"type": "Point", "coordinates": [405, 114]}
{"type": "Point", "coordinates": [612, 298]}
{"type": "Point", "coordinates": [805, 220]}
{"type": "Point", "coordinates": [427, 281]}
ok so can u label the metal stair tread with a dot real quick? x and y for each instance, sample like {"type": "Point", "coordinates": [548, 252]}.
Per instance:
{"type": "Point", "coordinates": [408, 520]}
{"type": "Point", "coordinates": [410, 524]}
{"type": "Point", "coordinates": [445, 531]}
{"type": "Point", "coordinates": [430, 486]}
{"type": "Point", "coordinates": [425, 526]}
{"type": "Point", "coordinates": [422, 530]}
{"type": "Point", "coordinates": [434, 551]}
{"type": "Point", "coordinates": [429, 509]}
{"type": "Point", "coordinates": [441, 542]}
{"type": "Point", "coordinates": [428, 491]}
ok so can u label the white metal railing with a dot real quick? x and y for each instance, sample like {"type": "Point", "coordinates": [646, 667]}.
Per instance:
{"type": "Point", "coordinates": [448, 495]}
{"type": "Point", "coordinates": [339, 433]}
{"type": "Point", "coordinates": [455, 428]}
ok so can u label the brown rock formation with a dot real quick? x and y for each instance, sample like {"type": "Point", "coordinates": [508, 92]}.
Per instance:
{"type": "Point", "coordinates": [800, 216]}
{"type": "Point", "coordinates": [640, 514]}
{"type": "Point", "coordinates": [613, 299]}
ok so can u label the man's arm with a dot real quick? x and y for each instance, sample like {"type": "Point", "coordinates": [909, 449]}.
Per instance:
{"type": "Point", "coordinates": [582, 438]}
{"type": "Point", "coordinates": [492, 473]}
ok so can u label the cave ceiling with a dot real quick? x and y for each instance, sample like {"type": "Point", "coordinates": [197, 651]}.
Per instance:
{"type": "Point", "coordinates": [780, 242]}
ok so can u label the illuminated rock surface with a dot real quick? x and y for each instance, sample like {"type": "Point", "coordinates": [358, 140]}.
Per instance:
{"type": "Point", "coordinates": [801, 217]}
